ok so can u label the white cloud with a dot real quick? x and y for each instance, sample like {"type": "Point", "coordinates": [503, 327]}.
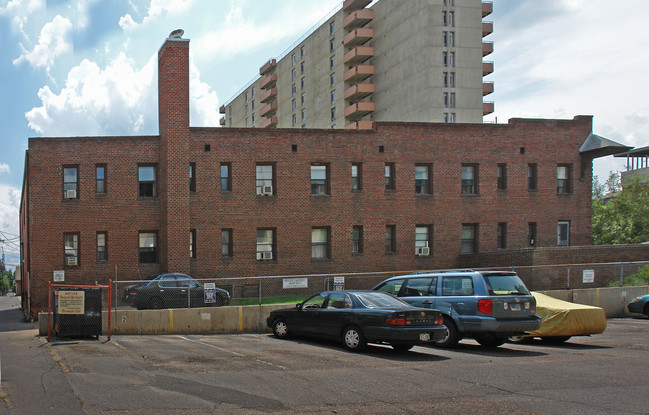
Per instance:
{"type": "Point", "coordinates": [119, 99]}
{"type": "Point", "coordinates": [9, 205]}
{"type": "Point", "coordinates": [55, 40]}
{"type": "Point", "coordinates": [204, 101]}
{"type": "Point", "coordinates": [4, 168]}
{"type": "Point", "coordinates": [126, 22]}
{"type": "Point", "coordinates": [20, 10]}
{"type": "Point", "coordinates": [156, 9]}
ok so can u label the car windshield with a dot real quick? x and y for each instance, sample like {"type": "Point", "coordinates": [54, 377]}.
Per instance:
{"type": "Point", "coordinates": [380, 300]}
{"type": "Point", "coordinates": [505, 284]}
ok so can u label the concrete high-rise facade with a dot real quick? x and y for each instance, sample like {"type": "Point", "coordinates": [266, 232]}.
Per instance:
{"type": "Point", "coordinates": [414, 61]}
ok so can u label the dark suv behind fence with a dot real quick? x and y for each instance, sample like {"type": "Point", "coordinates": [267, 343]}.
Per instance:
{"type": "Point", "coordinates": [488, 306]}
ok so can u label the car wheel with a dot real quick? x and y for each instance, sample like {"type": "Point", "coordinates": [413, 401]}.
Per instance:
{"type": "Point", "coordinates": [452, 335]}
{"type": "Point", "coordinates": [555, 339]}
{"type": "Point", "coordinates": [280, 328]}
{"type": "Point", "coordinates": [402, 347]}
{"type": "Point", "coordinates": [353, 339]}
{"type": "Point", "coordinates": [520, 339]}
{"type": "Point", "coordinates": [489, 340]}
{"type": "Point", "coordinates": [155, 303]}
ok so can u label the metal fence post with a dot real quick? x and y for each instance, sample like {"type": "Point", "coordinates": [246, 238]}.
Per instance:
{"type": "Point", "coordinates": [621, 274]}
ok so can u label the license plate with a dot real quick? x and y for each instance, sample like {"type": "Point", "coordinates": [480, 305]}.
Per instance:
{"type": "Point", "coordinates": [515, 307]}
{"type": "Point", "coordinates": [424, 337]}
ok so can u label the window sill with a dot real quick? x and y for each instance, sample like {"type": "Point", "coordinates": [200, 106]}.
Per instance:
{"type": "Point", "coordinates": [470, 194]}
{"type": "Point", "coordinates": [320, 259]}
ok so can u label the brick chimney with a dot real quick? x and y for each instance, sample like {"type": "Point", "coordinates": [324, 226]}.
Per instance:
{"type": "Point", "coordinates": [173, 167]}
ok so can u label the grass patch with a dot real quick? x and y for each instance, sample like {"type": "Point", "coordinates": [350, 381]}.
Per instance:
{"type": "Point", "coordinates": [268, 300]}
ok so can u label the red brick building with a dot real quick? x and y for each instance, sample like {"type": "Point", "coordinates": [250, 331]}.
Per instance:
{"type": "Point", "coordinates": [243, 202]}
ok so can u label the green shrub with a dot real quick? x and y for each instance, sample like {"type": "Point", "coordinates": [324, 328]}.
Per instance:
{"type": "Point", "coordinates": [639, 278]}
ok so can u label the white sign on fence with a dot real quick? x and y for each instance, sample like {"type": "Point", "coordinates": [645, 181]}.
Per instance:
{"type": "Point", "coordinates": [59, 276]}
{"type": "Point", "coordinates": [209, 292]}
{"type": "Point", "coordinates": [339, 283]}
{"type": "Point", "coordinates": [288, 283]}
{"type": "Point", "coordinates": [588, 276]}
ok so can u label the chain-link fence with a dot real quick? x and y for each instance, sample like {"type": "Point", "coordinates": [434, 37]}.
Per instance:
{"type": "Point", "coordinates": [76, 310]}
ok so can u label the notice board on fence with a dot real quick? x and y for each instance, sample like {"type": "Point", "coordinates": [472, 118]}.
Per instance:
{"type": "Point", "coordinates": [71, 302]}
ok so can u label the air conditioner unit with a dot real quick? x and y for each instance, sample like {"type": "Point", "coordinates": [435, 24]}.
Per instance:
{"type": "Point", "coordinates": [267, 255]}
{"type": "Point", "coordinates": [422, 251]}
{"type": "Point", "coordinates": [266, 190]}
{"type": "Point", "coordinates": [70, 194]}
{"type": "Point", "coordinates": [71, 260]}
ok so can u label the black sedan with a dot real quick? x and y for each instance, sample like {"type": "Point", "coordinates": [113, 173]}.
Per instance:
{"type": "Point", "coordinates": [357, 318]}
{"type": "Point", "coordinates": [174, 290]}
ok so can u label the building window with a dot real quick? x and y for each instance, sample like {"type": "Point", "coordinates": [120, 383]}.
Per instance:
{"type": "Point", "coordinates": [423, 182]}
{"type": "Point", "coordinates": [332, 28]}
{"type": "Point", "coordinates": [445, 79]}
{"type": "Point", "coordinates": [102, 246]}
{"type": "Point", "coordinates": [446, 117]}
{"type": "Point", "coordinates": [445, 94]}
{"type": "Point", "coordinates": [70, 182]}
{"type": "Point", "coordinates": [320, 243]}
{"type": "Point", "coordinates": [246, 110]}
{"type": "Point", "coordinates": [532, 181]}
{"type": "Point", "coordinates": [192, 177]}
{"type": "Point", "coordinates": [293, 74]}
{"type": "Point", "coordinates": [265, 176]}
{"type": "Point", "coordinates": [252, 104]}
{"type": "Point", "coordinates": [302, 83]}
{"type": "Point", "coordinates": [293, 120]}
{"type": "Point", "coordinates": [226, 242]}
{"type": "Point", "coordinates": [451, 117]}
{"type": "Point", "coordinates": [445, 58]}
{"type": "Point", "coordinates": [302, 100]}
{"type": "Point", "coordinates": [357, 176]}
{"type": "Point", "coordinates": [531, 234]}
{"type": "Point", "coordinates": [469, 238]}
{"type": "Point", "coordinates": [246, 122]}
{"type": "Point", "coordinates": [451, 78]}
{"type": "Point", "coordinates": [451, 19]}
{"type": "Point", "coordinates": [71, 249]}
{"type": "Point", "coordinates": [390, 176]}
{"type": "Point", "coordinates": [564, 178]}
{"type": "Point", "coordinates": [319, 179]}
{"type": "Point", "coordinates": [148, 247]}
{"type": "Point", "coordinates": [253, 119]}
{"type": "Point", "coordinates": [444, 38]}
{"type": "Point", "coordinates": [147, 181]}
{"type": "Point", "coordinates": [451, 59]}
{"type": "Point", "coordinates": [332, 79]}
{"type": "Point", "coordinates": [302, 67]}
{"type": "Point", "coordinates": [563, 233]}
{"type": "Point", "coordinates": [423, 239]}
{"type": "Point", "coordinates": [192, 243]}
{"type": "Point", "coordinates": [252, 90]}
{"type": "Point", "coordinates": [293, 59]}
{"type": "Point", "coordinates": [100, 179]}
{"type": "Point", "coordinates": [303, 114]}
{"type": "Point", "coordinates": [390, 239]}
{"type": "Point", "coordinates": [502, 235]}
{"type": "Point", "coordinates": [332, 62]}
{"type": "Point", "coordinates": [451, 39]}
{"type": "Point", "coordinates": [452, 100]}
{"type": "Point", "coordinates": [226, 179]}
{"type": "Point", "coordinates": [230, 110]}
{"type": "Point", "coordinates": [302, 51]}
{"type": "Point", "coordinates": [502, 176]}
{"type": "Point", "coordinates": [246, 97]}
{"type": "Point", "coordinates": [469, 179]}
{"type": "Point", "coordinates": [265, 244]}
{"type": "Point", "coordinates": [293, 105]}
{"type": "Point", "coordinates": [333, 97]}
{"type": "Point", "coordinates": [332, 45]}
{"type": "Point", "coordinates": [293, 90]}
{"type": "Point", "coordinates": [333, 114]}
{"type": "Point", "coordinates": [357, 240]}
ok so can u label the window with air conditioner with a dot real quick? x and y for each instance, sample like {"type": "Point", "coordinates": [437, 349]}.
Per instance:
{"type": "Point", "coordinates": [264, 179]}
{"type": "Point", "coordinates": [423, 239]}
{"type": "Point", "coordinates": [70, 182]}
{"type": "Point", "coordinates": [71, 249]}
{"type": "Point", "coordinates": [265, 244]}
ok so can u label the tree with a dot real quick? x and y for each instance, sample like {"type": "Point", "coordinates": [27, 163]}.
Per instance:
{"type": "Point", "coordinates": [623, 218]}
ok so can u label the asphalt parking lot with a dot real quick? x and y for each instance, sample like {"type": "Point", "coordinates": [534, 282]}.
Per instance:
{"type": "Point", "coordinates": [259, 374]}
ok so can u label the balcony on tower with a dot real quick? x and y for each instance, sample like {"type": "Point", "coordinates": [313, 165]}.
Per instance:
{"type": "Point", "coordinates": [358, 73]}
{"type": "Point", "coordinates": [487, 28]}
{"type": "Point", "coordinates": [487, 107]}
{"type": "Point", "coordinates": [222, 121]}
{"type": "Point", "coordinates": [268, 108]}
{"type": "Point", "coordinates": [360, 125]}
{"type": "Point", "coordinates": [358, 55]}
{"type": "Point", "coordinates": [269, 122]}
{"type": "Point", "coordinates": [487, 48]}
{"type": "Point", "coordinates": [487, 8]}
{"type": "Point", "coordinates": [351, 5]}
{"type": "Point", "coordinates": [487, 68]}
{"type": "Point", "coordinates": [268, 95]}
{"type": "Point", "coordinates": [222, 109]}
{"type": "Point", "coordinates": [487, 88]}
{"type": "Point", "coordinates": [268, 67]}
{"type": "Point", "coordinates": [358, 36]}
{"type": "Point", "coordinates": [359, 18]}
{"type": "Point", "coordinates": [358, 91]}
{"type": "Point", "coordinates": [268, 81]}
{"type": "Point", "coordinates": [358, 110]}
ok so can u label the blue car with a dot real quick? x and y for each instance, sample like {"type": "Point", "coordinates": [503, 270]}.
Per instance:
{"type": "Point", "coordinates": [488, 306]}
{"type": "Point", "coordinates": [639, 305]}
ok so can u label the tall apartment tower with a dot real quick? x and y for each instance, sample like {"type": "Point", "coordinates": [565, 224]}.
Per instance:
{"type": "Point", "coordinates": [415, 60]}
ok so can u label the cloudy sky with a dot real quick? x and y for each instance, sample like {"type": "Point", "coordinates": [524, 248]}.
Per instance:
{"type": "Point", "coordinates": [88, 67]}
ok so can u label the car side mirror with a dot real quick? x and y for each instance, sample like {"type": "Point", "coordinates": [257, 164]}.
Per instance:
{"type": "Point", "coordinates": [298, 306]}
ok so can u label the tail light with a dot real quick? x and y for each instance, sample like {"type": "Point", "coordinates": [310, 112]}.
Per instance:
{"type": "Point", "coordinates": [485, 306]}
{"type": "Point", "coordinates": [398, 321]}
{"type": "Point", "coordinates": [439, 321]}
{"type": "Point", "coordinates": [132, 293]}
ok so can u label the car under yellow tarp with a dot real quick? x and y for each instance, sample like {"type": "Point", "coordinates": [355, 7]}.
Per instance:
{"type": "Point", "coordinates": [563, 319]}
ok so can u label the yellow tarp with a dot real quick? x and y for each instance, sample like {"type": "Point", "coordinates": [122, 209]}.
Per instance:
{"type": "Point", "coordinates": [561, 318]}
